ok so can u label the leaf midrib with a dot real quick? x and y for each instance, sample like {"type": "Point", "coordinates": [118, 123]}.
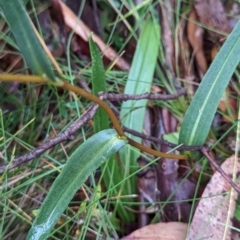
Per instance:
{"type": "Point", "coordinates": [75, 178]}
{"type": "Point", "coordinates": [199, 116]}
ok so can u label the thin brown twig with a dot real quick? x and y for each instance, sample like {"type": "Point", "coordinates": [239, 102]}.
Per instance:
{"type": "Point", "coordinates": [150, 96]}
{"type": "Point", "coordinates": [161, 141]}
{"type": "Point", "coordinates": [204, 150]}
{"type": "Point", "coordinates": [219, 169]}
{"type": "Point", "coordinates": [117, 125]}
{"type": "Point", "coordinates": [79, 123]}
{"type": "Point", "coordinates": [67, 135]}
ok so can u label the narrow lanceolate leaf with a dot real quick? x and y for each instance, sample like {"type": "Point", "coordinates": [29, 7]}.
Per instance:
{"type": "Point", "coordinates": [27, 42]}
{"type": "Point", "coordinates": [83, 162]}
{"type": "Point", "coordinates": [198, 119]}
{"type": "Point", "coordinates": [101, 121]}
{"type": "Point", "coordinates": [133, 112]}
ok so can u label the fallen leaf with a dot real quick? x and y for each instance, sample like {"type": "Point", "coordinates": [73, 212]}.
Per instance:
{"type": "Point", "coordinates": [160, 231]}
{"type": "Point", "coordinates": [78, 26]}
{"type": "Point", "coordinates": [212, 15]}
{"type": "Point", "coordinates": [228, 106]}
{"type": "Point", "coordinates": [195, 37]}
{"type": "Point", "coordinates": [211, 216]}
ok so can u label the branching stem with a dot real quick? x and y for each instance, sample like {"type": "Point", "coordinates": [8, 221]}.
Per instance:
{"type": "Point", "coordinates": [89, 96]}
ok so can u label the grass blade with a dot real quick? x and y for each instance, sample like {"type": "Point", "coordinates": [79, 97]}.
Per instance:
{"type": "Point", "coordinates": [101, 121]}
{"type": "Point", "coordinates": [27, 42]}
{"type": "Point", "coordinates": [199, 116]}
{"type": "Point", "coordinates": [84, 161]}
{"type": "Point", "coordinates": [133, 112]}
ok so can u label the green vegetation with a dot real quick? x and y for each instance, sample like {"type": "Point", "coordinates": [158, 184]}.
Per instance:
{"type": "Point", "coordinates": [82, 185]}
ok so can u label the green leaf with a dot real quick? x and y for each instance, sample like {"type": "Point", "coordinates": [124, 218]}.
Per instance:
{"type": "Point", "coordinates": [101, 121]}
{"type": "Point", "coordinates": [83, 162]}
{"type": "Point", "coordinates": [133, 112]}
{"type": "Point", "coordinates": [27, 42]}
{"type": "Point", "coordinates": [199, 116]}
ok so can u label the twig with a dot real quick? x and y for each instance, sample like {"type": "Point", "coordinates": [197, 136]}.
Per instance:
{"type": "Point", "coordinates": [86, 117]}
{"type": "Point", "coordinates": [203, 149]}
{"type": "Point", "coordinates": [116, 123]}
{"type": "Point", "coordinates": [150, 96]}
{"type": "Point", "coordinates": [219, 169]}
{"type": "Point", "coordinates": [67, 135]}
{"type": "Point", "coordinates": [67, 86]}
{"type": "Point", "coordinates": [161, 141]}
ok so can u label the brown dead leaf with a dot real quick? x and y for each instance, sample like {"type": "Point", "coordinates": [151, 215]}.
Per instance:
{"type": "Point", "coordinates": [211, 215]}
{"type": "Point", "coordinates": [228, 104]}
{"type": "Point", "coordinates": [212, 15]}
{"type": "Point", "coordinates": [160, 231]}
{"type": "Point", "coordinates": [78, 26]}
{"type": "Point", "coordinates": [187, 70]}
{"type": "Point", "coordinates": [232, 8]}
{"type": "Point", "coordinates": [195, 37]}
{"type": "Point", "coordinates": [214, 52]}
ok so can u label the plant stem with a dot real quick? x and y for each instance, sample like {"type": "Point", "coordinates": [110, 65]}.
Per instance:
{"type": "Point", "coordinates": [116, 123]}
{"type": "Point", "coordinates": [89, 96]}
{"type": "Point", "coordinates": [23, 78]}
